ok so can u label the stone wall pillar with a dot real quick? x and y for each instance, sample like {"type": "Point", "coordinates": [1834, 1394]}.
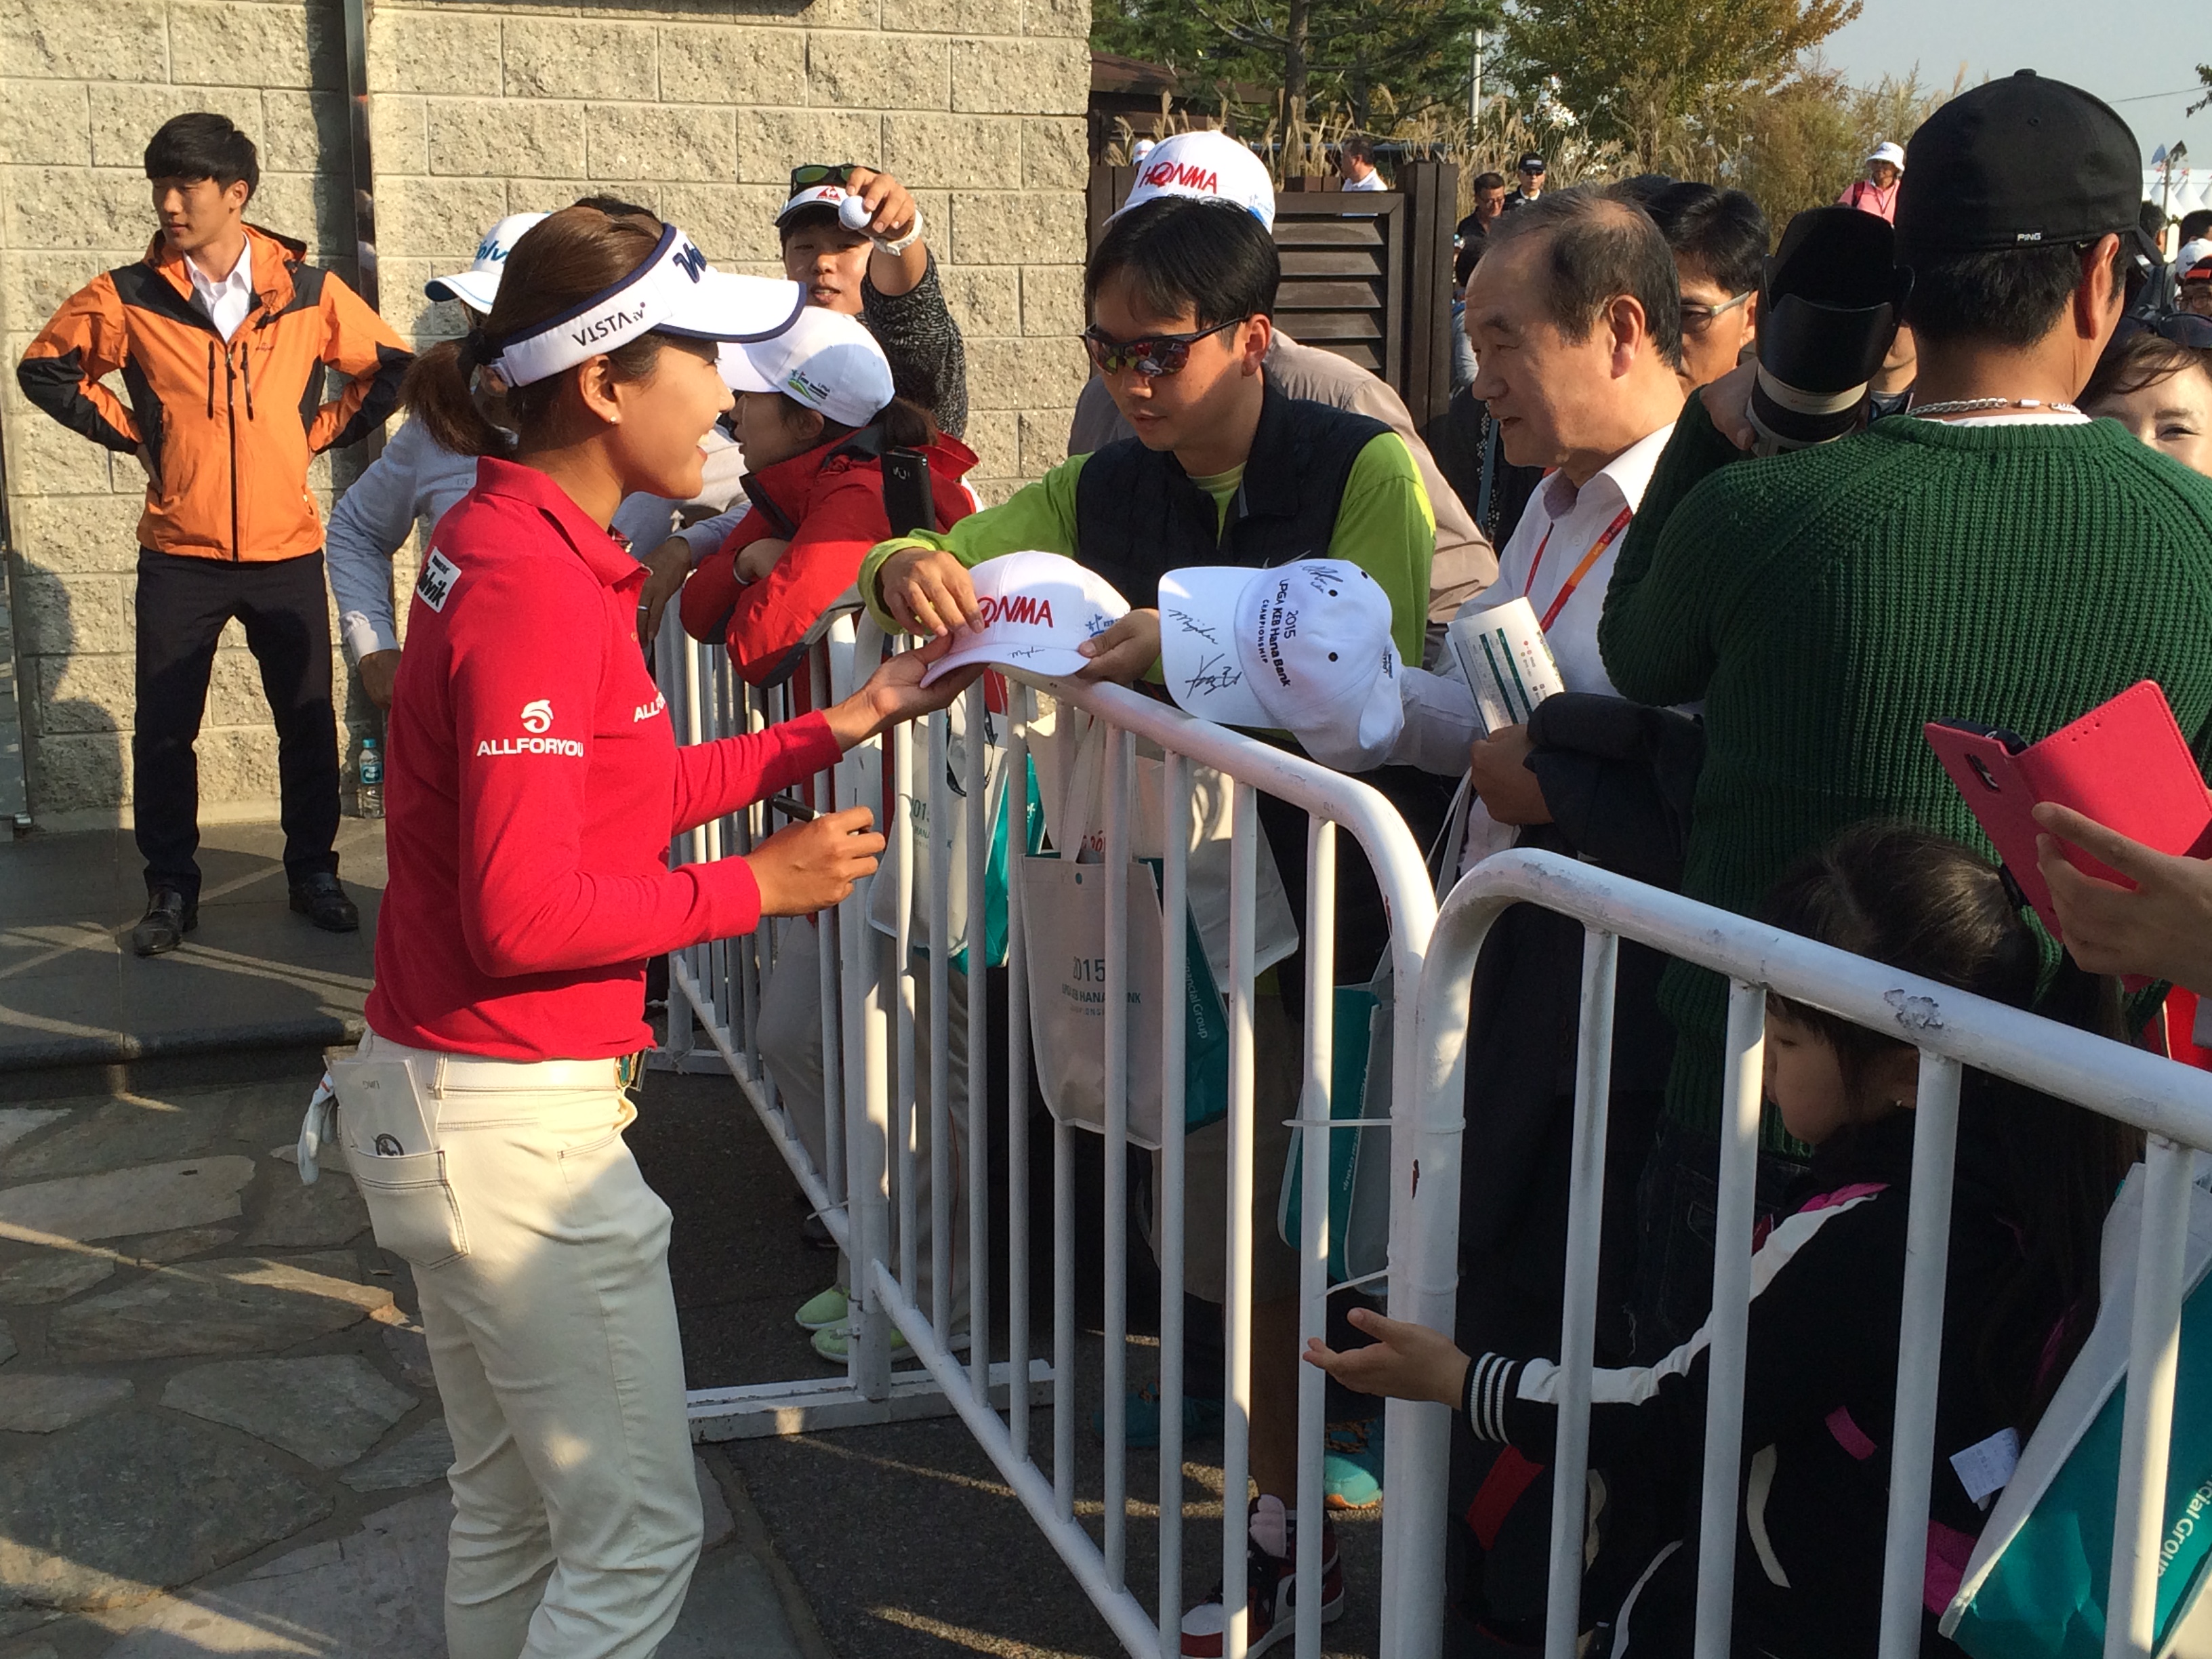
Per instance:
{"type": "Point", "coordinates": [697, 110]}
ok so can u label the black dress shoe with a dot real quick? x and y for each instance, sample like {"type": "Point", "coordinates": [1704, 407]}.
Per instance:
{"type": "Point", "coordinates": [323, 902]}
{"type": "Point", "coordinates": [169, 916]}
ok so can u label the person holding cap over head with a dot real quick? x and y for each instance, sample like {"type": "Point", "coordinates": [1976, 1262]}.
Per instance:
{"type": "Point", "coordinates": [1212, 166]}
{"type": "Point", "coordinates": [415, 480]}
{"type": "Point", "coordinates": [1991, 555]}
{"type": "Point", "coordinates": [1224, 471]}
{"type": "Point", "coordinates": [534, 787]}
{"type": "Point", "coordinates": [1876, 193]}
{"type": "Point", "coordinates": [852, 236]}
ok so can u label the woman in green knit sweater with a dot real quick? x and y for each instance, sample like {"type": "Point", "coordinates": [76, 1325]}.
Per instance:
{"type": "Point", "coordinates": [2009, 563]}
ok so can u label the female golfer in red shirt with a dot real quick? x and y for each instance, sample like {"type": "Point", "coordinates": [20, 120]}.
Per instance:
{"type": "Point", "coordinates": [534, 786]}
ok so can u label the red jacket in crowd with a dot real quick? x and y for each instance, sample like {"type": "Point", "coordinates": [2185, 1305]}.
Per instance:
{"type": "Point", "coordinates": [829, 504]}
{"type": "Point", "coordinates": [534, 785]}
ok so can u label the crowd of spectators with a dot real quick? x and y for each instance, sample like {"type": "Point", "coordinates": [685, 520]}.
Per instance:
{"type": "Point", "coordinates": [2018, 528]}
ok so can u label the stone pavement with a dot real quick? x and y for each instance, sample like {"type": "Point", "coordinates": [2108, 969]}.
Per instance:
{"type": "Point", "coordinates": [252, 974]}
{"type": "Point", "coordinates": [218, 1430]}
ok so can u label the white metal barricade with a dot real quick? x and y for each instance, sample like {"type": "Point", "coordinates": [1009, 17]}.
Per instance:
{"type": "Point", "coordinates": [2171, 1103]}
{"type": "Point", "coordinates": [866, 1193]}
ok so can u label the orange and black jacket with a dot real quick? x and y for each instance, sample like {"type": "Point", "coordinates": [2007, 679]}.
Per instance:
{"type": "Point", "coordinates": [228, 428]}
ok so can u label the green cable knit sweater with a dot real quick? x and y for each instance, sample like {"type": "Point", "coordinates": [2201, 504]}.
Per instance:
{"type": "Point", "coordinates": [1824, 604]}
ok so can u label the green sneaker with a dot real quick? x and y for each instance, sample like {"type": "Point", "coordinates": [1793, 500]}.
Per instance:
{"type": "Point", "coordinates": [834, 1343]}
{"type": "Point", "coordinates": [819, 1313]}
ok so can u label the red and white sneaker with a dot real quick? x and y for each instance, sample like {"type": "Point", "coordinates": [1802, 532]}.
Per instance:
{"type": "Point", "coordinates": [1271, 1585]}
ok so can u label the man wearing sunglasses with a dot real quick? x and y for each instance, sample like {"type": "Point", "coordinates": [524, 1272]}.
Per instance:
{"type": "Point", "coordinates": [1224, 470]}
{"type": "Point", "coordinates": [883, 273]}
{"type": "Point", "coordinates": [1213, 166]}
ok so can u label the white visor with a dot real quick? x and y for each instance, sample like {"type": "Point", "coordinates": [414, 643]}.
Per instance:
{"type": "Point", "coordinates": [674, 292]}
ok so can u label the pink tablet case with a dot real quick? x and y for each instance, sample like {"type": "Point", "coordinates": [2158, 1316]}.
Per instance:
{"type": "Point", "coordinates": [2125, 764]}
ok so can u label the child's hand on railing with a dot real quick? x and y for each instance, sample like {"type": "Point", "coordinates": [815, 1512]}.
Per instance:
{"type": "Point", "coordinates": [811, 867]}
{"type": "Point", "coordinates": [1407, 1362]}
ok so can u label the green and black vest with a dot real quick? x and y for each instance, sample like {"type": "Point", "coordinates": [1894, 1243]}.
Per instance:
{"type": "Point", "coordinates": [1137, 516]}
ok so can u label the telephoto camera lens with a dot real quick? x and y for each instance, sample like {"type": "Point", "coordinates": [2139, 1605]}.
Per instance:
{"type": "Point", "coordinates": [1827, 312]}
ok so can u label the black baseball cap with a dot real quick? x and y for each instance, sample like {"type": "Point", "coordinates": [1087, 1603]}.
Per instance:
{"type": "Point", "coordinates": [1532, 162]}
{"type": "Point", "coordinates": [2021, 162]}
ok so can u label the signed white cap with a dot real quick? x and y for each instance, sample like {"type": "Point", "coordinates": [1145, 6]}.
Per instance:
{"type": "Point", "coordinates": [1037, 608]}
{"type": "Point", "coordinates": [1305, 647]}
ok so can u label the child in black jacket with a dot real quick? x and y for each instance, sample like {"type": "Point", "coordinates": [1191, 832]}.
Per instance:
{"type": "Point", "coordinates": [2034, 1179]}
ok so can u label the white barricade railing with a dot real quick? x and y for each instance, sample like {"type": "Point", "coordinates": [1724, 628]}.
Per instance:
{"type": "Point", "coordinates": [2171, 1103]}
{"type": "Point", "coordinates": [871, 1170]}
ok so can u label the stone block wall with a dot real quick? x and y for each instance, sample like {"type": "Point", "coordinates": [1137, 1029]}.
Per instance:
{"type": "Point", "coordinates": [696, 109]}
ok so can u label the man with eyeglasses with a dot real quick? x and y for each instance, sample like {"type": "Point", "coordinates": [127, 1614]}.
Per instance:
{"type": "Point", "coordinates": [1224, 470]}
{"type": "Point", "coordinates": [881, 272]}
{"type": "Point", "coordinates": [1719, 239]}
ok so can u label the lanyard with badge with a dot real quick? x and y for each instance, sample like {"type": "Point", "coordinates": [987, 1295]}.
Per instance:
{"type": "Point", "coordinates": [1575, 578]}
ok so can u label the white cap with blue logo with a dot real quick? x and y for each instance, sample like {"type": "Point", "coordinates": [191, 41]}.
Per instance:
{"type": "Point", "coordinates": [478, 286]}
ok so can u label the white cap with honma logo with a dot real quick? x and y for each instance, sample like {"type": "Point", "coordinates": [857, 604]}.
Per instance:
{"type": "Point", "coordinates": [478, 286]}
{"type": "Point", "coordinates": [1037, 608]}
{"type": "Point", "coordinates": [1211, 165]}
{"type": "Point", "coordinates": [1304, 646]}
{"type": "Point", "coordinates": [825, 360]}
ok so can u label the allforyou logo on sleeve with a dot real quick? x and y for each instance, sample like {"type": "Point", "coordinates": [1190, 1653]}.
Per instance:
{"type": "Point", "coordinates": [537, 722]}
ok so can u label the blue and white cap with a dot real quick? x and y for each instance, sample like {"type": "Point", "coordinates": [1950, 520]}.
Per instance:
{"type": "Point", "coordinates": [478, 286]}
{"type": "Point", "coordinates": [675, 291]}
{"type": "Point", "coordinates": [825, 360]}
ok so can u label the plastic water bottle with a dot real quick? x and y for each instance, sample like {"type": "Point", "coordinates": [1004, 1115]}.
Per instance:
{"type": "Point", "coordinates": [369, 778]}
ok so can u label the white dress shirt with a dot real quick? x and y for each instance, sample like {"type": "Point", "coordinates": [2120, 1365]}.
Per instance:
{"type": "Point", "coordinates": [1372, 181]}
{"type": "Point", "coordinates": [228, 302]}
{"type": "Point", "coordinates": [1564, 523]}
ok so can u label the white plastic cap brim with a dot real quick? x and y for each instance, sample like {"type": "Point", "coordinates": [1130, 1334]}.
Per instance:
{"type": "Point", "coordinates": [1044, 661]}
{"type": "Point", "coordinates": [475, 289]}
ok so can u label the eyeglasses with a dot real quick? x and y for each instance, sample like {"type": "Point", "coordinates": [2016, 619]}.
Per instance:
{"type": "Point", "coordinates": [1696, 320]}
{"type": "Point", "coordinates": [805, 177]}
{"type": "Point", "coordinates": [1153, 356]}
{"type": "Point", "coordinates": [2182, 328]}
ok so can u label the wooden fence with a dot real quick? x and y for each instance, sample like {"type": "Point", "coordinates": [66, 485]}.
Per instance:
{"type": "Point", "coordinates": [1365, 275]}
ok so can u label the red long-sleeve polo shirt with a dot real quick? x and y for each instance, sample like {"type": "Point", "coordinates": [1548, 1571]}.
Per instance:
{"type": "Point", "coordinates": [533, 784]}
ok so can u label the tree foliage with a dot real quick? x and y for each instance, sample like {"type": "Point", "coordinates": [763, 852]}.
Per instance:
{"type": "Point", "coordinates": [1368, 61]}
{"type": "Point", "coordinates": [1631, 69]}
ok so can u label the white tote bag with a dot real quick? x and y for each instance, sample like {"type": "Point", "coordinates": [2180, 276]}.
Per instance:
{"type": "Point", "coordinates": [1075, 817]}
{"type": "Point", "coordinates": [947, 840]}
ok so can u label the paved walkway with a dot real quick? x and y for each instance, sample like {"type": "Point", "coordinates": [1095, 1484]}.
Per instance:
{"type": "Point", "coordinates": [219, 1433]}
{"type": "Point", "coordinates": [251, 975]}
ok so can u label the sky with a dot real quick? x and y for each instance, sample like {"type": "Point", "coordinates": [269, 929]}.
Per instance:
{"type": "Point", "coordinates": [2138, 56]}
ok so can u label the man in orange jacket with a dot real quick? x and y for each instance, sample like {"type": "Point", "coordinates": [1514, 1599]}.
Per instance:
{"type": "Point", "coordinates": [222, 333]}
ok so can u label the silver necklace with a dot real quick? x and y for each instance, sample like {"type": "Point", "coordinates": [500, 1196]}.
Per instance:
{"type": "Point", "coordinates": [1970, 405]}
